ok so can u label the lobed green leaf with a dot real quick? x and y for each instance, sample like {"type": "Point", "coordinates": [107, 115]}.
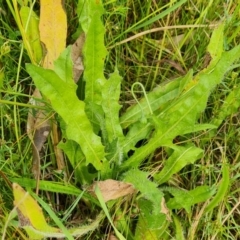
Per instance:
{"type": "Point", "coordinates": [230, 106]}
{"type": "Point", "coordinates": [185, 199]}
{"type": "Point", "coordinates": [111, 107]}
{"type": "Point", "coordinates": [65, 102]}
{"type": "Point", "coordinates": [94, 53]}
{"type": "Point", "coordinates": [179, 159]}
{"type": "Point", "coordinates": [148, 189]}
{"type": "Point", "coordinates": [185, 111]}
{"type": "Point", "coordinates": [162, 94]}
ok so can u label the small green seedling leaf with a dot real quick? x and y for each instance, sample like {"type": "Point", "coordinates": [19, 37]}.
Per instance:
{"type": "Point", "coordinates": [150, 225]}
{"type": "Point", "coordinates": [154, 213]}
{"type": "Point", "coordinates": [148, 189]}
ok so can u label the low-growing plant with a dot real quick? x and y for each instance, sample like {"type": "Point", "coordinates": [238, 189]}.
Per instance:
{"type": "Point", "coordinates": [102, 141]}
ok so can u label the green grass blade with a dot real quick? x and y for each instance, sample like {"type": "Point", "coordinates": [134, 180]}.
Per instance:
{"type": "Point", "coordinates": [230, 106]}
{"type": "Point", "coordinates": [160, 15]}
{"type": "Point", "coordinates": [54, 187]}
{"type": "Point", "coordinates": [48, 186]}
{"type": "Point", "coordinates": [104, 207]}
{"type": "Point", "coordinates": [53, 217]}
{"type": "Point", "coordinates": [222, 190]}
{"type": "Point", "coordinates": [143, 22]}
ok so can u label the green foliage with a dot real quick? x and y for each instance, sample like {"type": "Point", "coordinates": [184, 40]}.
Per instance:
{"type": "Point", "coordinates": [30, 23]}
{"type": "Point", "coordinates": [94, 51]}
{"type": "Point", "coordinates": [184, 111]}
{"type": "Point", "coordinates": [150, 204]}
{"type": "Point", "coordinates": [157, 99]}
{"type": "Point", "coordinates": [174, 110]}
{"type": "Point", "coordinates": [62, 94]}
{"type": "Point", "coordinates": [178, 159]}
{"type": "Point", "coordinates": [154, 143]}
{"type": "Point", "coordinates": [230, 105]}
{"type": "Point", "coordinates": [186, 199]}
{"type": "Point", "coordinates": [222, 189]}
{"type": "Point", "coordinates": [111, 107]}
{"type": "Point", "coordinates": [147, 188]}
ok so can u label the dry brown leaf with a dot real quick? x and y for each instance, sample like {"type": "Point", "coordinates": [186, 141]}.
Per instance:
{"type": "Point", "coordinates": [165, 210]}
{"type": "Point", "coordinates": [112, 237]}
{"type": "Point", "coordinates": [77, 57]}
{"type": "Point", "coordinates": [38, 129]}
{"type": "Point", "coordinates": [112, 189]}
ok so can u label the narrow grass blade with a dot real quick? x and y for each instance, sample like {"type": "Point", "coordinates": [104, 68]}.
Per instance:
{"type": "Point", "coordinates": [230, 106]}
{"type": "Point", "coordinates": [160, 15]}
{"type": "Point", "coordinates": [104, 207]}
{"type": "Point", "coordinates": [53, 217]}
{"type": "Point", "coordinates": [53, 187]}
{"type": "Point", "coordinates": [222, 189]}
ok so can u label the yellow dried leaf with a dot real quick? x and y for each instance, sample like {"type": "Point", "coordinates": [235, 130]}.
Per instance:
{"type": "Point", "coordinates": [112, 189]}
{"type": "Point", "coordinates": [29, 212]}
{"type": "Point", "coordinates": [53, 29]}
